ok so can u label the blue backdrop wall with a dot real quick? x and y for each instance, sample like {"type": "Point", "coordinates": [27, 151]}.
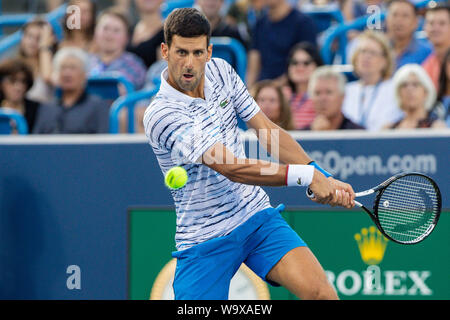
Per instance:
{"type": "Point", "coordinates": [64, 201]}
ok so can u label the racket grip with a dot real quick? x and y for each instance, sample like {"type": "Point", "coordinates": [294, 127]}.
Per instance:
{"type": "Point", "coordinates": [310, 195]}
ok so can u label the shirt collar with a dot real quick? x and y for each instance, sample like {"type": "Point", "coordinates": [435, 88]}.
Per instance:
{"type": "Point", "coordinates": [170, 91]}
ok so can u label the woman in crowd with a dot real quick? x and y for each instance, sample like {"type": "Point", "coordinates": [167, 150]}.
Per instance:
{"type": "Point", "coordinates": [303, 59]}
{"type": "Point", "coordinates": [36, 49]}
{"type": "Point", "coordinates": [80, 36]}
{"type": "Point", "coordinates": [370, 101]}
{"type": "Point", "coordinates": [16, 78]}
{"type": "Point", "coordinates": [442, 109]}
{"type": "Point", "coordinates": [148, 33]}
{"type": "Point", "coordinates": [111, 39]}
{"type": "Point", "coordinates": [271, 100]}
{"type": "Point", "coordinates": [416, 95]}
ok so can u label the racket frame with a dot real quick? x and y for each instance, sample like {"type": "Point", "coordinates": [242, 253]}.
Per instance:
{"type": "Point", "coordinates": [379, 189]}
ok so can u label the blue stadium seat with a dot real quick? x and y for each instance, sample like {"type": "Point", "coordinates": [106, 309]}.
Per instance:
{"type": "Point", "coordinates": [8, 43]}
{"type": "Point", "coordinates": [106, 85]}
{"type": "Point", "coordinates": [232, 51]}
{"type": "Point", "coordinates": [324, 18]}
{"type": "Point", "coordinates": [6, 116]}
{"type": "Point", "coordinates": [169, 5]}
{"type": "Point", "coordinates": [128, 101]}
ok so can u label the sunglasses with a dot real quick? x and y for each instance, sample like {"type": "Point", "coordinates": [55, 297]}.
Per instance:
{"type": "Point", "coordinates": [305, 63]}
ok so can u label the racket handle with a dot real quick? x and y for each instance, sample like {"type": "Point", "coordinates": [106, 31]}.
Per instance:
{"type": "Point", "coordinates": [310, 195]}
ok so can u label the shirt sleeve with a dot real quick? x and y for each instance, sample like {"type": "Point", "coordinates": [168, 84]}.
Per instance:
{"type": "Point", "coordinates": [183, 137]}
{"type": "Point", "coordinates": [243, 102]}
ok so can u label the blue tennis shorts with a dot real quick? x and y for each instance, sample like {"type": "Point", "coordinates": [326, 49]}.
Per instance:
{"type": "Point", "coordinates": [204, 271]}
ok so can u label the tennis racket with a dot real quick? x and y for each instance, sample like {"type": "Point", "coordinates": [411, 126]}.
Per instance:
{"type": "Point", "coordinates": [406, 209]}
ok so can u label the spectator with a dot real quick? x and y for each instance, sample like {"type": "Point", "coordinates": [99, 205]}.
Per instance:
{"type": "Point", "coordinates": [327, 90]}
{"type": "Point", "coordinates": [401, 24]}
{"type": "Point", "coordinates": [274, 35]}
{"type": "Point", "coordinates": [80, 37]}
{"type": "Point", "coordinates": [16, 78]}
{"type": "Point", "coordinates": [36, 49]}
{"type": "Point", "coordinates": [303, 59]}
{"type": "Point", "coordinates": [416, 95]}
{"type": "Point", "coordinates": [442, 109]}
{"type": "Point", "coordinates": [269, 96]}
{"type": "Point", "coordinates": [111, 38]}
{"type": "Point", "coordinates": [75, 111]}
{"type": "Point", "coordinates": [370, 101]}
{"type": "Point", "coordinates": [437, 28]}
{"type": "Point", "coordinates": [243, 14]}
{"type": "Point", "coordinates": [148, 34]}
{"type": "Point", "coordinates": [219, 27]}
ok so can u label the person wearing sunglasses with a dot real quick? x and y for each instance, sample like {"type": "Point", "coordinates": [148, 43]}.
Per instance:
{"type": "Point", "coordinates": [303, 59]}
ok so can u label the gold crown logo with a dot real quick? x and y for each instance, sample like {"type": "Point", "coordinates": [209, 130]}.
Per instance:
{"type": "Point", "coordinates": [371, 244]}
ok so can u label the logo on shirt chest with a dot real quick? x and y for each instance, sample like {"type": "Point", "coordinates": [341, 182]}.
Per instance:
{"type": "Point", "coordinates": [224, 103]}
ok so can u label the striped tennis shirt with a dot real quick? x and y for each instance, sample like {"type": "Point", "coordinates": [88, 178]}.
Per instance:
{"type": "Point", "coordinates": [180, 129]}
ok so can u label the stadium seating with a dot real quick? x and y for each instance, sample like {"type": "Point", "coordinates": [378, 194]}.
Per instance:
{"type": "Point", "coordinates": [324, 18]}
{"type": "Point", "coordinates": [232, 51]}
{"type": "Point", "coordinates": [106, 86]}
{"type": "Point", "coordinates": [128, 101]}
{"type": "Point", "coordinates": [7, 44]}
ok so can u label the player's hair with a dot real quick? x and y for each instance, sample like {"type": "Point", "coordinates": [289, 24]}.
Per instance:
{"type": "Point", "coordinates": [186, 23]}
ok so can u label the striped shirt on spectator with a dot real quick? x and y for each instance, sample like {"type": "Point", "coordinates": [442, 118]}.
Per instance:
{"type": "Point", "coordinates": [180, 129]}
{"type": "Point", "coordinates": [302, 110]}
{"type": "Point", "coordinates": [128, 64]}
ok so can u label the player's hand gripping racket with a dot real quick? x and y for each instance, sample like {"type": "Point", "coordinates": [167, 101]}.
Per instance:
{"type": "Point", "coordinates": [406, 209]}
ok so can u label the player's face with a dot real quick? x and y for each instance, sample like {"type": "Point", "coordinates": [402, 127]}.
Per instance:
{"type": "Point", "coordinates": [186, 59]}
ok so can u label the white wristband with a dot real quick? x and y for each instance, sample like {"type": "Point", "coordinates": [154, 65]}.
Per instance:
{"type": "Point", "coordinates": [299, 175]}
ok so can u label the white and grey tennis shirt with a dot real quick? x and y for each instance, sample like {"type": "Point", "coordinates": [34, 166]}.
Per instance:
{"type": "Point", "coordinates": [180, 129]}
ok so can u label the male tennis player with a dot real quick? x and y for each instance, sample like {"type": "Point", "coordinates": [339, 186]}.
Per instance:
{"type": "Point", "coordinates": [223, 217]}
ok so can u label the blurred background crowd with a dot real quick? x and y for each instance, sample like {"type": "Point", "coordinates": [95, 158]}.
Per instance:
{"type": "Point", "coordinates": [310, 65]}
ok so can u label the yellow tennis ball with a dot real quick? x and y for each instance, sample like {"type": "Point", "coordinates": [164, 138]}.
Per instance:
{"type": "Point", "coordinates": [176, 178]}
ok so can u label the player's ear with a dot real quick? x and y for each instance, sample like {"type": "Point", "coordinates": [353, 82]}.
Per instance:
{"type": "Point", "coordinates": [164, 51]}
{"type": "Point", "coordinates": [209, 50]}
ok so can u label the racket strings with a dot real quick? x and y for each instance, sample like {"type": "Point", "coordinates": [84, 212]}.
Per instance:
{"type": "Point", "coordinates": [407, 208]}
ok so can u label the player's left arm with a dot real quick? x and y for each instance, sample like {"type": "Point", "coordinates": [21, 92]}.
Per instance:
{"type": "Point", "coordinates": [286, 149]}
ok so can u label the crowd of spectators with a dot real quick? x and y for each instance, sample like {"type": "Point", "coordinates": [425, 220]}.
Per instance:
{"type": "Point", "coordinates": [400, 77]}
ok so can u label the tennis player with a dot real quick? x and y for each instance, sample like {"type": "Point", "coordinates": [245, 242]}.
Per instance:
{"type": "Point", "coordinates": [223, 217]}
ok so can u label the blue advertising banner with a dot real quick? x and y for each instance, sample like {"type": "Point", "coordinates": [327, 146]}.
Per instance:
{"type": "Point", "coordinates": [64, 200]}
